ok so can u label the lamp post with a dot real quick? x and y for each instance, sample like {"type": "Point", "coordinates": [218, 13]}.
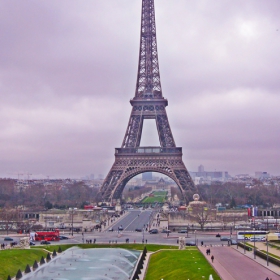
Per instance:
{"type": "Point", "coordinates": [195, 237]}
{"type": "Point", "coordinates": [72, 213]}
{"type": "Point", "coordinates": [254, 241]}
{"type": "Point", "coordinates": [267, 252]}
{"type": "Point", "coordinates": [244, 243]}
{"type": "Point", "coordinates": [143, 234]}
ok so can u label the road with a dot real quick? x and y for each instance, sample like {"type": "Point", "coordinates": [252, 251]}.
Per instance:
{"type": "Point", "coordinates": [132, 220]}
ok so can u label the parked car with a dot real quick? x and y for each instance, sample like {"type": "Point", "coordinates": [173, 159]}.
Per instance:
{"type": "Point", "coordinates": [31, 243]}
{"type": "Point", "coordinates": [183, 231]}
{"type": "Point", "coordinates": [45, 242]}
{"type": "Point", "coordinates": [61, 237]}
{"type": "Point", "coordinates": [224, 238]}
{"type": "Point", "coordinates": [153, 231]}
{"type": "Point", "coordinates": [8, 239]}
{"type": "Point", "coordinates": [138, 229]}
{"type": "Point", "coordinates": [190, 243]}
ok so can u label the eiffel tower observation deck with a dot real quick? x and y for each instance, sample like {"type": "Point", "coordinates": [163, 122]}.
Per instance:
{"type": "Point", "coordinates": [148, 103]}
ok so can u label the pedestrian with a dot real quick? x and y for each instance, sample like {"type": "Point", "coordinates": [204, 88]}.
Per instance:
{"type": "Point", "coordinates": [201, 243]}
{"type": "Point", "coordinates": [146, 241]}
{"type": "Point", "coordinates": [212, 258]}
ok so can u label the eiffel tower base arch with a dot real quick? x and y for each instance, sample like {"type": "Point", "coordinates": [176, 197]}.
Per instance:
{"type": "Point", "coordinates": [132, 162]}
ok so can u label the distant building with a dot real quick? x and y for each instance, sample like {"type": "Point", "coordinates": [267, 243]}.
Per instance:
{"type": "Point", "coordinates": [206, 177]}
{"type": "Point", "coordinates": [200, 168]}
{"type": "Point", "coordinates": [261, 175]}
{"type": "Point", "coordinates": [147, 176]}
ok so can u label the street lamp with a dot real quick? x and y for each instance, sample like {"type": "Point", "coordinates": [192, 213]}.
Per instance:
{"type": "Point", "coordinates": [72, 213]}
{"type": "Point", "coordinates": [267, 251]}
{"type": "Point", "coordinates": [244, 242]}
{"type": "Point", "coordinates": [254, 241]}
{"type": "Point", "coordinates": [195, 237]}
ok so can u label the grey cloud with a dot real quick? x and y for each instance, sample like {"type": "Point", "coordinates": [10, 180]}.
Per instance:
{"type": "Point", "coordinates": [68, 70]}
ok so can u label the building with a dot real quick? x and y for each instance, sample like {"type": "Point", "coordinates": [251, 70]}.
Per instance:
{"type": "Point", "coordinates": [261, 175]}
{"type": "Point", "coordinates": [147, 176]}
{"type": "Point", "coordinates": [205, 177]}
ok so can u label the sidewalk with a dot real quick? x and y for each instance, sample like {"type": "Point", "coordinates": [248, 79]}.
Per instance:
{"type": "Point", "coordinates": [259, 260]}
{"type": "Point", "coordinates": [231, 264]}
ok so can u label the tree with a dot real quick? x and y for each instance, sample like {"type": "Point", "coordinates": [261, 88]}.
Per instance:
{"type": "Point", "coordinates": [48, 205]}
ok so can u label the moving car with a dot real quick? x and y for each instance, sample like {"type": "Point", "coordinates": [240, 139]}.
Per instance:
{"type": "Point", "coordinates": [8, 239]}
{"type": "Point", "coordinates": [190, 243]}
{"type": "Point", "coordinates": [165, 231]}
{"type": "Point", "coordinates": [183, 231]}
{"type": "Point", "coordinates": [153, 231]}
{"type": "Point", "coordinates": [138, 229]}
{"type": "Point", "coordinates": [31, 243]}
{"type": "Point", "coordinates": [61, 237]}
{"type": "Point", "coordinates": [257, 239]}
{"type": "Point", "coordinates": [45, 242]}
{"type": "Point", "coordinates": [111, 229]}
{"type": "Point", "coordinates": [218, 235]}
{"type": "Point", "coordinates": [224, 238]}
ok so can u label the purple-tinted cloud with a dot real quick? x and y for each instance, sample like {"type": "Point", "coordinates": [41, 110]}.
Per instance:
{"type": "Point", "coordinates": [68, 70]}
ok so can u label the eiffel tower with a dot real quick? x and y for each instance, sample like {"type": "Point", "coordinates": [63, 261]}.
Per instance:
{"type": "Point", "coordinates": [148, 103]}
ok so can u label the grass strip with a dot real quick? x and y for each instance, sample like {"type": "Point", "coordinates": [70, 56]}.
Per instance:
{"type": "Point", "coordinates": [15, 259]}
{"type": "Point", "coordinates": [272, 255]}
{"type": "Point", "coordinates": [179, 265]}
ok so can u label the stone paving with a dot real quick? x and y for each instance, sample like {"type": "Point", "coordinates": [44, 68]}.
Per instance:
{"type": "Point", "coordinates": [231, 264]}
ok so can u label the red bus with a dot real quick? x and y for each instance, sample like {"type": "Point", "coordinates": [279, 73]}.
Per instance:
{"type": "Point", "coordinates": [48, 235]}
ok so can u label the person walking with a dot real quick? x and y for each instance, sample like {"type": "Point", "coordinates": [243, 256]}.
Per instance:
{"type": "Point", "coordinates": [212, 258]}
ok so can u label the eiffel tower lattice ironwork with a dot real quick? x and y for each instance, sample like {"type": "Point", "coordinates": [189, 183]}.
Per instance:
{"type": "Point", "coordinates": [148, 103]}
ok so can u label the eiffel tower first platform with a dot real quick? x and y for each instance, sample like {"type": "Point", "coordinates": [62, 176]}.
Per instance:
{"type": "Point", "coordinates": [148, 103]}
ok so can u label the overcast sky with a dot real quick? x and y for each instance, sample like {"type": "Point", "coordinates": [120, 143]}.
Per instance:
{"type": "Point", "coordinates": [68, 70]}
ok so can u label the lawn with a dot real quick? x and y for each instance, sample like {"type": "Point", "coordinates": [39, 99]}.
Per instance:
{"type": "Point", "coordinates": [179, 265]}
{"type": "Point", "coordinates": [15, 259]}
{"type": "Point", "coordinates": [159, 196]}
{"type": "Point", "coordinates": [159, 199]}
{"type": "Point", "coordinates": [170, 263]}
{"type": "Point", "coordinates": [160, 193]}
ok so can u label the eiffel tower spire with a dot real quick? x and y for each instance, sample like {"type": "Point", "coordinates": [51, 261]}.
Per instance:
{"type": "Point", "coordinates": [148, 79]}
{"type": "Point", "coordinates": [148, 103]}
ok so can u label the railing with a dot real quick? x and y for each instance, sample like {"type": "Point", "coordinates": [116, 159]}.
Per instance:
{"type": "Point", "coordinates": [149, 150]}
